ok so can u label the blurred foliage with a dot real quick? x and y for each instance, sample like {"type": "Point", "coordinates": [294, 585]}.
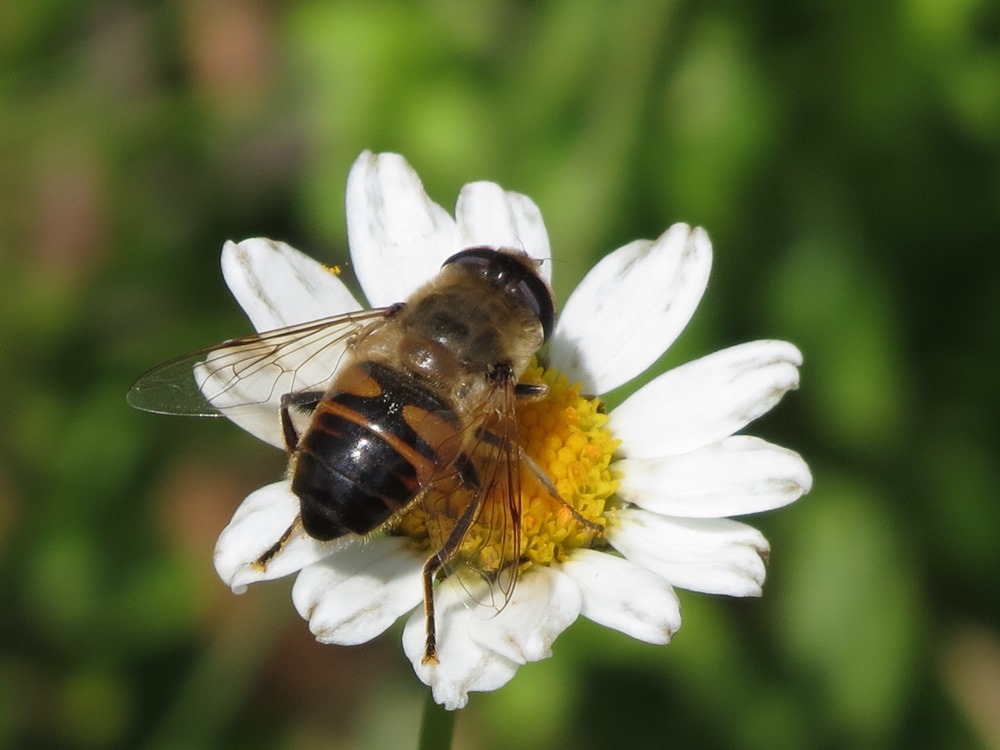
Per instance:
{"type": "Point", "coordinates": [844, 158]}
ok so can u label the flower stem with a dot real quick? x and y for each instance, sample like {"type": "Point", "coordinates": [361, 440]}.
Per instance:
{"type": "Point", "coordinates": [436, 726]}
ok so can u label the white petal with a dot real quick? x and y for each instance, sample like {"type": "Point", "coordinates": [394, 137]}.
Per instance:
{"type": "Point", "coordinates": [489, 215]}
{"type": "Point", "coordinates": [463, 664]}
{"type": "Point", "coordinates": [630, 307]}
{"type": "Point", "coordinates": [706, 400]}
{"type": "Point", "coordinates": [277, 286]}
{"type": "Point", "coordinates": [398, 236]}
{"type": "Point", "coordinates": [256, 526]}
{"type": "Point", "coordinates": [716, 556]}
{"type": "Point", "coordinates": [356, 593]}
{"type": "Point", "coordinates": [738, 475]}
{"type": "Point", "coordinates": [622, 595]}
{"type": "Point", "coordinates": [545, 602]}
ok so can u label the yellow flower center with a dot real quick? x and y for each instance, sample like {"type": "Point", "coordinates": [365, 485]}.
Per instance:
{"type": "Point", "coordinates": [565, 435]}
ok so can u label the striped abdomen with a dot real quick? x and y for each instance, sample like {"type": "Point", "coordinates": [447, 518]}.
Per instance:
{"type": "Point", "coordinates": [375, 440]}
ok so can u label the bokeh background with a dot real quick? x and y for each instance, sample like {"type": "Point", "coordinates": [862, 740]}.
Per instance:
{"type": "Point", "coordinates": [844, 158]}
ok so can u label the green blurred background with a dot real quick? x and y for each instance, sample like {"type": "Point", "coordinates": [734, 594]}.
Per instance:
{"type": "Point", "coordinates": [844, 158]}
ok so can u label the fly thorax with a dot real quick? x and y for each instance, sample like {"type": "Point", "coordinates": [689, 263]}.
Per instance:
{"type": "Point", "coordinates": [474, 329]}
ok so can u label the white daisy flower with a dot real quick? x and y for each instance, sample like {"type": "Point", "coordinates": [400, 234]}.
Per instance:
{"type": "Point", "coordinates": [661, 473]}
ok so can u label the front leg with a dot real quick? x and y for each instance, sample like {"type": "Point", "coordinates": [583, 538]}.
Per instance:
{"type": "Point", "coordinates": [530, 391]}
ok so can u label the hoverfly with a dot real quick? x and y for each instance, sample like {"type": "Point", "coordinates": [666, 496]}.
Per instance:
{"type": "Point", "coordinates": [381, 410]}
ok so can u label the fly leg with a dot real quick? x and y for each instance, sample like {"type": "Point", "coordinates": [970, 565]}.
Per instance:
{"type": "Point", "coordinates": [534, 391]}
{"type": "Point", "coordinates": [469, 478]}
{"type": "Point", "coordinates": [543, 478]}
{"type": "Point", "coordinates": [267, 555]}
{"type": "Point", "coordinates": [306, 401]}
{"type": "Point", "coordinates": [530, 390]}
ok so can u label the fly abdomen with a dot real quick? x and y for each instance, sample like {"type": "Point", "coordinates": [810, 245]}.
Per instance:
{"type": "Point", "coordinates": [374, 442]}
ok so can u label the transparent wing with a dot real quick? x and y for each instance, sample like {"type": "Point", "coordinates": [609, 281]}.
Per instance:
{"type": "Point", "coordinates": [498, 457]}
{"type": "Point", "coordinates": [486, 515]}
{"type": "Point", "coordinates": [250, 374]}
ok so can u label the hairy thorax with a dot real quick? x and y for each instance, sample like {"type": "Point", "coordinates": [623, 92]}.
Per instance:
{"type": "Point", "coordinates": [456, 335]}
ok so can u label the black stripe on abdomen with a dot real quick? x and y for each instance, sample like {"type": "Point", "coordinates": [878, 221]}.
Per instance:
{"type": "Point", "coordinates": [369, 450]}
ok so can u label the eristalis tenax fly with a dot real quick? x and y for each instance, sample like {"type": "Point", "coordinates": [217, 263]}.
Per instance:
{"type": "Point", "coordinates": [386, 409]}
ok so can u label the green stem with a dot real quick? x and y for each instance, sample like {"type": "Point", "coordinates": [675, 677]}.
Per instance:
{"type": "Point", "coordinates": [436, 727]}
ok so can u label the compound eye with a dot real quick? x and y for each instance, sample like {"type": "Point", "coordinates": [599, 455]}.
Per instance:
{"type": "Point", "coordinates": [515, 276]}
